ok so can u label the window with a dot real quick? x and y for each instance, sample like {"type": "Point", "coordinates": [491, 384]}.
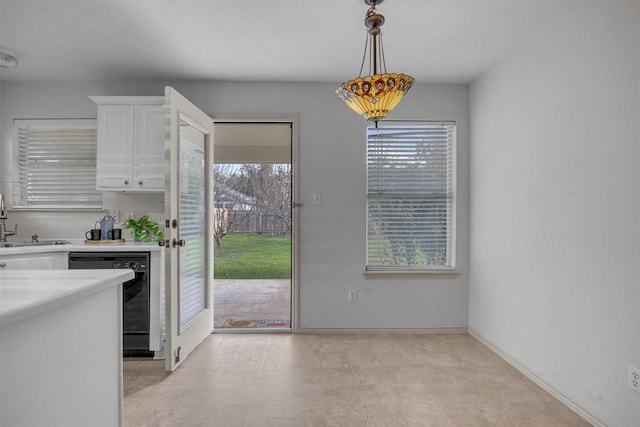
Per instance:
{"type": "Point", "coordinates": [56, 164]}
{"type": "Point", "coordinates": [411, 184]}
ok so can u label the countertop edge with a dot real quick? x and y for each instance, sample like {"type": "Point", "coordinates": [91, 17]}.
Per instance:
{"type": "Point", "coordinates": [79, 246]}
{"type": "Point", "coordinates": [101, 280]}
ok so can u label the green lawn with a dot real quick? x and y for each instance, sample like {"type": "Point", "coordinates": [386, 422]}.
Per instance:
{"type": "Point", "coordinates": [251, 256]}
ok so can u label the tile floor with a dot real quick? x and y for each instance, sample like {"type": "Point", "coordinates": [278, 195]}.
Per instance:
{"type": "Point", "coordinates": [338, 380]}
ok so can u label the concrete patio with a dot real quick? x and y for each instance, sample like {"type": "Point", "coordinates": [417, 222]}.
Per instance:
{"type": "Point", "coordinates": [251, 299]}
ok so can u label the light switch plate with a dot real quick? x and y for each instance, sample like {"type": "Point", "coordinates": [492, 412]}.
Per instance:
{"type": "Point", "coordinates": [157, 217]}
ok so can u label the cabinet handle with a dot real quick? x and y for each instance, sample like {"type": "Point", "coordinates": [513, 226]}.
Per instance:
{"type": "Point", "coordinates": [140, 182]}
{"type": "Point", "coordinates": [178, 243]}
{"type": "Point", "coordinates": [3, 264]}
{"type": "Point", "coordinates": [126, 182]}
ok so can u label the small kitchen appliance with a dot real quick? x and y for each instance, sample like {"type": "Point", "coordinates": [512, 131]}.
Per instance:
{"type": "Point", "coordinates": [106, 225]}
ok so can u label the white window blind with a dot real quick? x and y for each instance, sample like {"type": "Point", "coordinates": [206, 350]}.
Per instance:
{"type": "Point", "coordinates": [56, 164]}
{"type": "Point", "coordinates": [193, 224]}
{"type": "Point", "coordinates": [411, 176]}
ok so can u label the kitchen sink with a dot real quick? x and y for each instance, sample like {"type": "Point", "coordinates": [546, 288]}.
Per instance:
{"type": "Point", "coordinates": [38, 243]}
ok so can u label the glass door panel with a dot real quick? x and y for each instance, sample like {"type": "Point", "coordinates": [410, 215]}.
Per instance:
{"type": "Point", "coordinates": [193, 283]}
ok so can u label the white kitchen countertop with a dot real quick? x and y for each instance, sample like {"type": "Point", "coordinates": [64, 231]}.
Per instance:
{"type": "Point", "coordinates": [79, 246]}
{"type": "Point", "coordinates": [25, 293]}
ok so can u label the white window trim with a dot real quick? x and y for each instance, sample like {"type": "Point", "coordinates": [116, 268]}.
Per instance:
{"type": "Point", "coordinates": [416, 274]}
{"type": "Point", "coordinates": [434, 271]}
{"type": "Point", "coordinates": [16, 188]}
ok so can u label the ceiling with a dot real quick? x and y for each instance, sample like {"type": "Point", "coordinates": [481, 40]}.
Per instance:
{"type": "Point", "coordinates": [436, 41]}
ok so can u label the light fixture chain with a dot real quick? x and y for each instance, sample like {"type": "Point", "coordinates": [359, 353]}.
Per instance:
{"type": "Point", "coordinates": [384, 63]}
{"type": "Point", "coordinates": [372, 60]}
{"type": "Point", "coordinates": [364, 54]}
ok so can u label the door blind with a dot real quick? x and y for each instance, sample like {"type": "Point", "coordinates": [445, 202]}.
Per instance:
{"type": "Point", "coordinates": [193, 224]}
{"type": "Point", "coordinates": [57, 164]}
{"type": "Point", "coordinates": [411, 172]}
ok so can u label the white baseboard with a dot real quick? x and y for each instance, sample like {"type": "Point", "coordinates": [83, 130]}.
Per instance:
{"type": "Point", "coordinates": [539, 381]}
{"type": "Point", "coordinates": [381, 330]}
{"type": "Point", "coordinates": [251, 331]}
{"type": "Point", "coordinates": [340, 330]}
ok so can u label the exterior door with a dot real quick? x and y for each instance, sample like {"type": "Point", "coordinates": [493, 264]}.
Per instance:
{"type": "Point", "coordinates": [188, 207]}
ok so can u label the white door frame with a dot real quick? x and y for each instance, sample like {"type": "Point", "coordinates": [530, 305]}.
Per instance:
{"type": "Point", "coordinates": [295, 208]}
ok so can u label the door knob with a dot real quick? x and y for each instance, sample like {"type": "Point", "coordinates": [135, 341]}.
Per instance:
{"type": "Point", "coordinates": [180, 242]}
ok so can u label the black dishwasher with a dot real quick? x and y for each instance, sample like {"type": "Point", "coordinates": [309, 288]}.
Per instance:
{"type": "Point", "coordinates": [135, 294]}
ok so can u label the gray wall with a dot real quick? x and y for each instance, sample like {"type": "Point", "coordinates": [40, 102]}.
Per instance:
{"type": "Point", "coordinates": [555, 207]}
{"type": "Point", "coordinates": [332, 162]}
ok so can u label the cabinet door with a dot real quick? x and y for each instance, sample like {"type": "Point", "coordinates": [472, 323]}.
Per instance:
{"type": "Point", "coordinates": [28, 262]}
{"type": "Point", "coordinates": [148, 148]}
{"type": "Point", "coordinates": [115, 139]}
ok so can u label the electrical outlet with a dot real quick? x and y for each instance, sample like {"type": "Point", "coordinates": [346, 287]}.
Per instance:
{"type": "Point", "coordinates": [634, 378]}
{"type": "Point", "coordinates": [353, 295]}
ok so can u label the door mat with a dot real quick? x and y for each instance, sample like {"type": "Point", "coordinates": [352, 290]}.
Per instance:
{"type": "Point", "coordinates": [256, 323]}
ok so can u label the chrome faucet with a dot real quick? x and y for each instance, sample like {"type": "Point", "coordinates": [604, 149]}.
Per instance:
{"type": "Point", "coordinates": [3, 218]}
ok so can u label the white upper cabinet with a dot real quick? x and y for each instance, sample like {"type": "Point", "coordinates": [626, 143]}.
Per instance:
{"type": "Point", "coordinates": [130, 143]}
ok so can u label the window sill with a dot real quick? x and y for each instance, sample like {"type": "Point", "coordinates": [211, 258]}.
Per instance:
{"type": "Point", "coordinates": [431, 274]}
{"type": "Point", "coordinates": [54, 209]}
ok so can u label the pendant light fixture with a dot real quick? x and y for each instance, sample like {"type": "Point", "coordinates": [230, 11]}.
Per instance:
{"type": "Point", "coordinates": [375, 95]}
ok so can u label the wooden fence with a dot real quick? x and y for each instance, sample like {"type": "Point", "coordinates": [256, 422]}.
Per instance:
{"type": "Point", "coordinates": [261, 223]}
